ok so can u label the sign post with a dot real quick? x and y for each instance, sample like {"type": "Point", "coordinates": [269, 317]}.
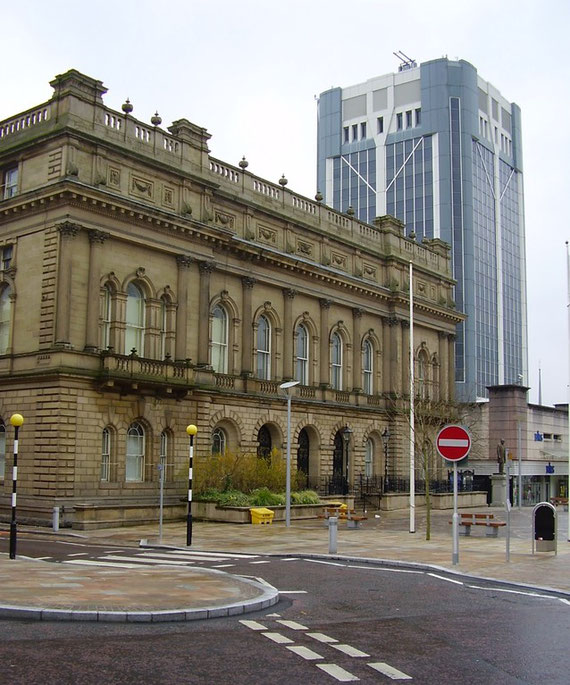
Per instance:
{"type": "Point", "coordinates": [453, 444]}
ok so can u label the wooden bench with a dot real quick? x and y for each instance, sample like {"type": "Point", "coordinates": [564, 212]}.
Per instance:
{"type": "Point", "coordinates": [353, 521]}
{"type": "Point", "coordinates": [559, 500]}
{"type": "Point", "coordinates": [348, 515]}
{"type": "Point", "coordinates": [487, 520]}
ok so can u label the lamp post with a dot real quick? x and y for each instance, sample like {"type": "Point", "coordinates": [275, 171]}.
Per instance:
{"type": "Point", "coordinates": [346, 437]}
{"type": "Point", "coordinates": [16, 420]}
{"type": "Point", "coordinates": [385, 441]}
{"type": "Point", "coordinates": [287, 387]}
{"type": "Point", "coordinates": [191, 430]}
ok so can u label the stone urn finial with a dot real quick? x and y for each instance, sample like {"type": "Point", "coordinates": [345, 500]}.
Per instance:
{"type": "Point", "coordinates": [156, 120]}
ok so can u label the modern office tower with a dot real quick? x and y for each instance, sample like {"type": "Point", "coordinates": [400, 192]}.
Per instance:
{"type": "Point", "coordinates": [439, 148]}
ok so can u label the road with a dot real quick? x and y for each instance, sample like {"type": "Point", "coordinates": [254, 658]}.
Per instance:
{"type": "Point", "coordinates": [336, 622]}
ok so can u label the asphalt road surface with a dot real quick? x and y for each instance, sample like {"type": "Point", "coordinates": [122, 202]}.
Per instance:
{"type": "Point", "coordinates": [336, 622]}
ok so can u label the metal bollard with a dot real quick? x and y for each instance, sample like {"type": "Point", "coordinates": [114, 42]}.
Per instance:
{"type": "Point", "coordinates": [55, 519]}
{"type": "Point", "coordinates": [333, 529]}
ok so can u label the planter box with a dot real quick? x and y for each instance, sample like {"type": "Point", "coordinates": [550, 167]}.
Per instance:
{"type": "Point", "coordinates": [210, 511]}
{"type": "Point", "coordinates": [396, 501]}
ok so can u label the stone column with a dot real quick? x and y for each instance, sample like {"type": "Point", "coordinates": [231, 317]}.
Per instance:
{"type": "Point", "coordinates": [206, 269]}
{"type": "Point", "coordinates": [247, 325]}
{"type": "Point", "coordinates": [405, 356]}
{"type": "Point", "coordinates": [96, 240]}
{"type": "Point", "coordinates": [443, 367]}
{"type": "Point", "coordinates": [386, 357]}
{"type": "Point", "coordinates": [357, 349]}
{"type": "Point", "coordinates": [67, 232]}
{"type": "Point", "coordinates": [288, 337]}
{"type": "Point", "coordinates": [451, 367]}
{"type": "Point", "coordinates": [324, 379]}
{"type": "Point", "coordinates": [395, 355]}
{"type": "Point", "coordinates": [183, 263]}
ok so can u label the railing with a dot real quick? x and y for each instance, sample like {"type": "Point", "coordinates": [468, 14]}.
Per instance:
{"type": "Point", "coordinates": [139, 368]}
{"type": "Point", "coordinates": [25, 120]}
{"type": "Point", "coordinates": [307, 392]}
{"type": "Point", "coordinates": [224, 381]}
{"type": "Point", "coordinates": [223, 170]}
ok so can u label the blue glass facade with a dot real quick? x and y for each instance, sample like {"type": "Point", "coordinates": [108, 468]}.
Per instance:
{"type": "Point", "coordinates": [454, 173]}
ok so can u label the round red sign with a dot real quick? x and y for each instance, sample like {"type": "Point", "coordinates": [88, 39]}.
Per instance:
{"type": "Point", "coordinates": [453, 443]}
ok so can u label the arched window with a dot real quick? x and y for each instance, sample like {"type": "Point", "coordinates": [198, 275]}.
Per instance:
{"type": "Point", "coordinates": [336, 362]}
{"type": "Point", "coordinates": [2, 449]}
{"type": "Point", "coordinates": [302, 355]}
{"type": "Point", "coordinates": [106, 455]}
{"type": "Point", "coordinates": [106, 316]}
{"type": "Point", "coordinates": [369, 459]}
{"type": "Point", "coordinates": [367, 368]}
{"type": "Point", "coordinates": [5, 318]}
{"type": "Point", "coordinates": [135, 453]}
{"type": "Point", "coordinates": [264, 443]}
{"type": "Point", "coordinates": [163, 327]}
{"type": "Point", "coordinates": [219, 441]}
{"type": "Point", "coordinates": [134, 329]}
{"type": "Point", "coordinates": [219, 349]}
{"type": "Point", "coordinates": [422, 380]}
{"type": "Point", "coordinates": [263, 349]}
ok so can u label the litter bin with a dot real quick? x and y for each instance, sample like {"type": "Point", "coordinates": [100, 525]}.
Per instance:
{"type": "Point", "coordinates": [544, 528]}
{"type": "Point", "coordinates": [262, 515]}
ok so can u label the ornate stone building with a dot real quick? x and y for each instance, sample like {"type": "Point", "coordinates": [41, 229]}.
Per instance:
{"type": "Point", "coordinates": [145, 285]}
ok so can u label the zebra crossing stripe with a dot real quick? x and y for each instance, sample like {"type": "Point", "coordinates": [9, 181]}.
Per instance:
{"type": "Point", "coordinates": [337, 672]}
{"type": "Point", "coordinates": [390, 671]}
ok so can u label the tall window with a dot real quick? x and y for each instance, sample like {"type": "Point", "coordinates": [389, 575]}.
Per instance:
{"type": "Point", "coordinates": [6, 254]}
{"type": "Point", "coordinates": [106, 316]}
{"type": "Point", "coordinates": [163, 327]}
{"type": "Point", "coordinates": [264, 443]}
{"type": "Point", "coordinates": [2, 449]}
{"type": "Point", "coordinates": [135, 453]}
{"type": "Point", "coordinates": [219, 340]}
{"type": "Point", "coordinates": [263, 349]}
{"type": "Point", "coordinates": [163, 457]}
{"type": "Point", "coordinates": [336, 362]}
{"type": "Point", "coordinates": [134, 330]}
{"type": "Point", "coordinates": [5, 318]}
{"type": "Point", "coordinates": [10, 182]}
{"type": "Point", "coordinates": [369, 459]}
{"type": "Point", "coordinates": [106, 455]}
{"type": "Point", "coordinates": [367, 368]}
{"type": "Point", "coordinates": [219, 441]}
{"type": "Point", "coordinates": [302, 356]}
{"type": "Point", "coordinates": [422, 379]}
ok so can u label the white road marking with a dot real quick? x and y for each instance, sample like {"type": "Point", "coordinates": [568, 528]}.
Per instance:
{"type": "Point", "coordinates": [223, 555]}
{"type": "Point", "coordinates": [180, 557]}
{"type": "Point", "coordinates": [291, 559]}
{"type": "Point", "coordinates": [90, 562]}
{"type": "Point", "coordinates": [292, 592]}
{"type": "Point", "coordinates": [223, 565]}
{"type": "Point", "coordinates": [564, 601]}
{"type": "Point", "coordinates": [78, 554]}
{"type": "Point", "coordinates": [254, 625]}
{"type": "Point", "coordinates": [259, 562]}
{"type": "Point", "coordinates": [337, 672]}
{"type": "Point", "coordinates": [449, 580]}
{"type": "Point", "coordinates": [390, 570]}
{"type": "Point", "coordinates": [292, 624]}
{"type": "Point", "coordinates": [277, 637]}
{"type": "Point", "coordinates": [513, 592]}
{"type": "Point", "coordinates": [328, 563]}
{"type": "Point", "coordinates": [390, 671]}
{"type": "Point", "coordinates": [44, 558]}
{"type": "Point", "coordinates": [305, 652]}
{"type": "Point", "coordinates": [350, 651]}
{"type": "Point", "coordinates": [273, 615]}
{"type": "Point", "coordinates": [149, 560]}
{"type": "Point", "coordinates": [321, 637]}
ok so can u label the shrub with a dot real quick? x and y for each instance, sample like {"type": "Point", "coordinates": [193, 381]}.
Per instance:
{"type": "Point", "coordinates": [305, 497]}
{"type": "Point", "coordinates": [262, 497]}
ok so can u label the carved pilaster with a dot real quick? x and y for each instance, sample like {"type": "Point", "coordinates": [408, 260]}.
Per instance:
{"type": "Point", "coordinates": [67, 230]}
{"type": "Point", "coordinates": [96, 241]}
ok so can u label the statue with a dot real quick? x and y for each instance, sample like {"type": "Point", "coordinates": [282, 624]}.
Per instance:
{"type": "Point", "coordinates": [501, 456]}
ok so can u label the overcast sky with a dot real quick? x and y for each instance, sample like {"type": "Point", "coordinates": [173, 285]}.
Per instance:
{"type": "Point", "coordinates": [249, 71]}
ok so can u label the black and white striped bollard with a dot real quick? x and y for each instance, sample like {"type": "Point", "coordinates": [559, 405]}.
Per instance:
{"type": "Point", "coordinates": [16, 420]}
{"type": "Point", "coordinates": [191, 430]}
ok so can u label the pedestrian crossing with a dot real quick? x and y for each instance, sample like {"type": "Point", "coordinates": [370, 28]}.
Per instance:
{"type": "Point", "coordinates": [343, 662]}
{"type": "Point", "coordinates": [180, 558]}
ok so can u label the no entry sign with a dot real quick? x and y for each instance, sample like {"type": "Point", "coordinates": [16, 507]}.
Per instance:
{"type": "Point", "coordinates": [453, 443]}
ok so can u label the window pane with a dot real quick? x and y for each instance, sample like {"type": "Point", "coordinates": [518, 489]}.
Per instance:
{"type": "Point", "coordinates": [219, 340]}
{"type": "Point", "coordinates": [302, 357]}
{"type": "Point", "coordinates": [263, 349]}
{"type": "Point", "coordinates": [135, 320]}
{"type": "Point", "coordinates": [5, 316]}
{"type": "Point", "coordinates": [135, 453]}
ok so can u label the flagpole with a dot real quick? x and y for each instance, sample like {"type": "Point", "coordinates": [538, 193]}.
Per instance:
{"type": "Point", "coordinates": [568, 343]}
{"type": "Point", "coordinates": [412, 416]}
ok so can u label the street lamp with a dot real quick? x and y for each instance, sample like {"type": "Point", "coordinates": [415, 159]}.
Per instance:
{"type": "Point", "coordinates": [191, 430]}
{"type": "Point", "coordinates": [385, 440]}
{"type": "Point", "coordinates": [287, 387]}
{"type": "Point", "coordinates": [16, 420]}
{"type": "Point", "coordinates": [346, 437]}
